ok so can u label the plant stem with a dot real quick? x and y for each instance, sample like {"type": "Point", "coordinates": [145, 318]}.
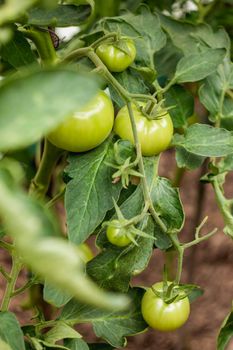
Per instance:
{"type": "Point", "coordinates": [5, 274]}
{"type": "Point", "coordinates": [200, 239]}
{"type": "Point", "coordinates": [104, 39]}
{"type": "Point", "coordinates": [6, 246]}
{"type": "Point", "coordinates": [55, 198]}
{"type": "Point", "coordinates": [146, 191]}
{"type": "Point", "coordinates": [40, 183]}
{"type": "Point", "coordinates": [15, 270]}
{"type": "Point", "coordinates": [44, 45]}
{"type": "Point", "coordinates": [23, 288]}
{"type": "Point", "coordinates": [180, 250]}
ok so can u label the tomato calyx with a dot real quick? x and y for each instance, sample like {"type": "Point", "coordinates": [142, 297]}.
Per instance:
{"type": "Point", "coordinates": [125, 228]}
{"type": "Point", "coordinates": [125, 166]}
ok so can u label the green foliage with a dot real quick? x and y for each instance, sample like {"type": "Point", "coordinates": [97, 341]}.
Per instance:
{"type": "Point", "coordinates": [180, 63]}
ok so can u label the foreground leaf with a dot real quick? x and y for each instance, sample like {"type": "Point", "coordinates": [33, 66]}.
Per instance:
{"type": "Point", "coordinates": [10, 332]}
{"type": "Point", "coordinates": [226, 332]}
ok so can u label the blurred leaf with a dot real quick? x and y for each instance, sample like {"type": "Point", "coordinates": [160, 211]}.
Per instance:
{"type": "Point", "coordinates": [60, 16]}
{"type": "Point", "coordinates": [205, 140]}
{"type": "Point", "coordinates": [226, 332]}
{"type": "Point", "coordinates": [76, 344]}
{"type": "Point", "coordinates": [11, 10]}
{"type": "Point", "coordinates": [124, 323]}
{"type": "Point", "coordinates": [4, 346]}
{"type": "Point", "coordinates": [32, 232]}
{"type": "Point", "coordinates": [183, 104]}
{"type": "Point", "coordinates": [10, 332]}
{"type": "Point", "coordinates": [90, 192]}
{"type": "Point", "coordinates": [49, 101]}
{"type": "Point", "coordinates": [197, 66]}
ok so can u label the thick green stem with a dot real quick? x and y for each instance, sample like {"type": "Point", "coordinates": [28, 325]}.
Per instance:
{"type": "Point", "coordinates": [15, 270]}
{"type": "Point", "coordinates": [41, 181]}
{"type": "Point", "coordinates": [180, 252]}
{"type": "Point", "coordinates": [44, 45]}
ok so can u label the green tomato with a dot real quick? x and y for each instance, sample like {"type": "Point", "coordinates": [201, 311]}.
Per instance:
{"type": "Point", "coordinates": [118, 235]}
{"type": "Point", "coordinates": [160, 315]}
{"type": "Point", "coordinates": [87, 128]}
{"type": "Point", "coordinates": [114, 58]}
{"type": "Point", "coordinates": [154, 134]}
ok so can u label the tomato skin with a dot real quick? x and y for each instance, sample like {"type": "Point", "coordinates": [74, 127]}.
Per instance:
{"type": "Point", "coordinates": [117, 236]}
{"type": "Point", "coordinates": [162, 316]}
{"type": "Point", "coordinates": [115, 59]}
{"type": "Point", "coordinates": [87, 128]}
{"type": "Point", "coordinates": [154, 135]}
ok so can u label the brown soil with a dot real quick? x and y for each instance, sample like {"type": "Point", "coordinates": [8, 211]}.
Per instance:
{"type": "Point", "coordinates": [208, 265]}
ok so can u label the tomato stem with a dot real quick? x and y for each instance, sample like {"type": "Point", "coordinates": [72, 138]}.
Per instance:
{"type": "Point", "coordinates": [104, 39]}
{"type": "Point", "coordinates": [15, 270]}
{"type": "Point", "coordinates": [44, 45]}
{"type": "Point", "coordinates": [40, 183]}
{"type": "Point", "coordinates": [180, 251]}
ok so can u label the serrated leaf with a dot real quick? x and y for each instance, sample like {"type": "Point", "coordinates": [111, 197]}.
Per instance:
{"type": "Point", "coordinates": [10, 331]}
{"type": "Point", "coordinates": [60, 16]}
{"type": "Point", "coordinates": [124, 323]}
{"type": "Point", "coordinates": [188, 160]}
{"type": "Point", "coordinates": [214, 88]}
{"type": "Point", "coordinates": [60, 331]}
{"type": "Point", "coordinates": [205, 140]}
{"type": "Point", "coordinates": [18, 52]}
{"type": "Point", "coordinates": [193, 38]}
{"type": "Point", "coordinates": [197, 66]}
{"type": "Point", "coordinates": [226, 332]}
{"type": "Point", "coordinates": [50, 103]}
{"type": "Point", "coordinates": [89, 195]}
{"type": "Point", "coordinates": [167, 203]}
{"type": "Point", "coordinates": [54, 295]}
{"type": "Point", "coordinates": [183, 104]}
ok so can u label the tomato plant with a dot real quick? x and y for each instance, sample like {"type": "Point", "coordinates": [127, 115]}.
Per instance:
{"type": "Point", "coordinates": [154, 134]}
{"type": "Point", "coordinates": [161, 315]}
{"type": "Point", "coordinates": [114, 115]}
{"type": "Point", "coordinates": [117, 57]}
{"type": "Point", "coordinates": [85, 128]}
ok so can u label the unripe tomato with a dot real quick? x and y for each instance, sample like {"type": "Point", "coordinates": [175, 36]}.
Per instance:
{"type": "Point", "coordinates": [160, 315]}
{"type": "Point", "coordinates": [118, 235]}
{"type": "Point", "coordinates": [154, 134]}
{"type": "Point", "coordinates": [87, 128]}
{"type": "Point", "coordinates": [114, 58]}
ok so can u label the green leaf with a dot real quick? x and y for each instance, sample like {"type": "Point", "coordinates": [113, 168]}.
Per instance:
{"type": "Point", "coordinates": [13, 9]}
{"type": "Point", "coordinates": [205, 140]}
{"type": "Point", "coordinates": [188, 160]}
{"type": "Point", "coordinates": [226, 164]}
{"type": "Point", "coordinates": [18, 52]}
{"type": "Point", "coordinates": [61, 16]}
{"type": "Point", "coordinates": [132, 82]}
{"type": "Point", "coordinates": [124, 323]}
{"type": "Point", "coordinates": [197, 66]}
{"type": "Point", "coordinates": [226, 332]}
{"type": "Point", "coordinates": [42, 103]}
{"type": "Point", "coordinates": [212, 93]}
{"type": "Point", "coordinates": [89, 195]}
{"type": "Point", "coordinates": [60, 331]}
{"type": "Point", "coordinates": [167, 203]}
{"type": "Point", "coordinates": [194, 38]}
{"type": "Point", "coordinates": [183, 104]}
{"type": "Point", "coordinates": [121, 264]}
{"type": "Point", "coordinates": [76, 344]}
{"type": "Point", "coordinates": [33, 232]}
{"type": "Point", "coordinates": [54, 295]}
{"type": "Point", "coordinates": [10, 331]}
